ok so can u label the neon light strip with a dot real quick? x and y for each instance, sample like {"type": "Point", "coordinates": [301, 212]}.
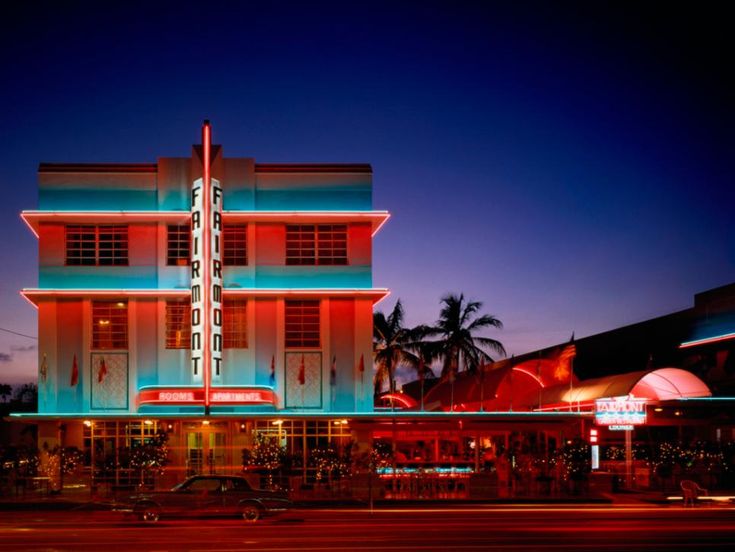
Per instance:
{"type": "Point", "coordinates": [535, 377]}
{"type": "Point", "coordinates": [378, 218]}
{"type": "Point", "coordinates": [705, 399]}
{"type": "Point", "coordinates": [192, 395]}
{"type": "Point", "coordinates": [378, 294]}
{"type": "Point", "coordinates": [404, 417]}
{"type": "Point", "coordinates": [407, 402]}
{"type": "Point", "coordinates": [207, 264]}
{"type": "Point", "coordinates": [706, 341]}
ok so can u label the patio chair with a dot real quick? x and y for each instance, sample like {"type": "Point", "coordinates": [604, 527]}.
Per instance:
{"type": "Point", "coordinates": [691, 491]}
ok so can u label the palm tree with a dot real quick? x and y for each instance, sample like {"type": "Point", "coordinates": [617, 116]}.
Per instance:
{"type": "Point", "coordinates": [5, 391]}
{"type": "Point", "coordinates": [458, 346]}
{"type": "Point", "coordinates": [392, 345]}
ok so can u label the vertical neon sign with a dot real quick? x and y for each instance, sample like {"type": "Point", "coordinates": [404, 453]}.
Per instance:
{"type": "Point", "coordinates": [206, 273]}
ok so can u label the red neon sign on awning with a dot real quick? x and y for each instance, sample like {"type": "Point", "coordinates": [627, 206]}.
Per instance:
{"type": "Point", "coordinates": [217, 396]}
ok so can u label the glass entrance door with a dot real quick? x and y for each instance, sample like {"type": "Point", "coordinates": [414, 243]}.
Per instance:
{"type": "Point", "coordinates": [194, 453]}
{"type": "Point", "coordinates": [205, 452]}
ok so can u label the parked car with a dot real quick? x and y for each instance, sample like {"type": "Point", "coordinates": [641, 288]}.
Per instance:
{"type": "Point", "coordinates": [207, 495]}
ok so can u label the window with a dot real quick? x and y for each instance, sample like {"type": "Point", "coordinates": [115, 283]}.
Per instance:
{"type": "Point", "coordinates": [178, 250]}
{"type": "Point", "coordinates": [331, 244]}
{"type": "Point", "coordinates": [109, 325]}
{"type": "Point", "coordinates": [97, 245]}
{"type": "Point", "coordinates": [302, 324]}
{"type": "Point", "coordinates": [234, 322]}
{"type": "Point", "coordinates": [235, 245]}
{"type": "Point", "coordinates": [321, 244]}
{"type": "Point", "coordinates": [178, 325]}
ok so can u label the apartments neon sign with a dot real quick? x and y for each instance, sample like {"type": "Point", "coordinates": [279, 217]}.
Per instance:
{"type": "Point", "coordinates": [206, 274]}
{"type": "Point", "coordinates": [620, 411]}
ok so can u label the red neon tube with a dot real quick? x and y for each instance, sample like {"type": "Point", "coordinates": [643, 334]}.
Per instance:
{"type": "Point", "coordinates": [206, 265]}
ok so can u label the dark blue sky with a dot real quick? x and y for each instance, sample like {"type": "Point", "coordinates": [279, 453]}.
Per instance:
{"type": "Point", "coordinates": [568, 164]}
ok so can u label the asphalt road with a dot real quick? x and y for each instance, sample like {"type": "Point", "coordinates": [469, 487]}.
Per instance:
{"type": "Point", "coordinates": [453, 529]}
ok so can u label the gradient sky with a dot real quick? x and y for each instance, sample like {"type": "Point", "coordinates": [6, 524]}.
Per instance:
{"type": "Point", "coordinates": [570, 165]}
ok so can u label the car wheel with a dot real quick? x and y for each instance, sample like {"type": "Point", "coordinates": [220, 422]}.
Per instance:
{"type": "Point", "coordinates": [150, 513]}
{"type": "Point", "coordinates": [250, 512]}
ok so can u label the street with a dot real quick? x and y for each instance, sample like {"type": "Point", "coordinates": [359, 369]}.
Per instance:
{"type": "Point", "coordinates": [429, 528]}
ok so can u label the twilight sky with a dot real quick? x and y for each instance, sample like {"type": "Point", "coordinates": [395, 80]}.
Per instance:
{"type": "Point", "coordinates": [570, 165]}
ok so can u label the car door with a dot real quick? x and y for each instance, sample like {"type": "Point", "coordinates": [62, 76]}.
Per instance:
{"type": "Point", "coordinates": [206, 496]}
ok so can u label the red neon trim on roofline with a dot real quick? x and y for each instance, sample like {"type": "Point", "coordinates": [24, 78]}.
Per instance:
{"type": "Point", "coordinates": [378, 218]}
{"type": "Point", "coordinates": [707, 341]}
{"type": "Point", "coordinates": [377, 293]}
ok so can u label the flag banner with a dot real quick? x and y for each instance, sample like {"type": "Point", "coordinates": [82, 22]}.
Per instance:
{"type": "Point", "coordinates": [563, 368]}
{"type": "Point", "coordinates": [272, 378]}
{"type": "Point", "coordinates": [74, 372]}
{"type": "Point", "coordinates": [303, 380]}
{"type": "Point", "coordinates": [43, 370]}
{"type": "Point", "coordinates": [109, 389]}
{"type": "Point", "coordinates": [102, 371]}
{"type": "Point", "coordinates": [302, 372]}
{"type": "Point", "coordinates": [333, 372]}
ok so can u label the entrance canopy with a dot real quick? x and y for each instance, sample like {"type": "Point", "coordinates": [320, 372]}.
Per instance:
{"type": "Point", "coordinates": [663, 384]}
{"type": "Point", "coordinates": [517, 388]}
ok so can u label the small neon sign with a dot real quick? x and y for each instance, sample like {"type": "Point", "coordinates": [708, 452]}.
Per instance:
{"type": "Point", "coordinates": [184, 396]}
{"type": "Point", "coordinates": [620, 411]}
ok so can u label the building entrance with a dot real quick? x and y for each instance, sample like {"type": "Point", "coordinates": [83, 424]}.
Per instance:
{"type": "Point", "coordinates": [206, 451]}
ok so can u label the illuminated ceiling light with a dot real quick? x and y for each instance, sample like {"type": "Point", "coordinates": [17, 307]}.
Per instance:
{"type": "Point", "coordinates": [277, 422]}
{"type": "Point", "coordinates": [120, 304]}
{"type": "Point", "coordinates": [104, 322]}
{"type": "Point", "coordinates": [148, 422]}
{"type": "Point", "coordinates": [242, 426]}
{"type": "Point", "coordinates": [205, 422]}
{"type": "Point", "coordinates": [677, 413]}
{"type": "Point", "coordinates": [658, 409]}
{"type": "Point", "coordinates": [88, 423]}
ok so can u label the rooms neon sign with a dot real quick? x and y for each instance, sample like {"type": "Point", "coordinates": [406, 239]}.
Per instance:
{"type": "Point", "coordinates": [217, 396]}
{"type": "Point", "coordinates": [620, 411]}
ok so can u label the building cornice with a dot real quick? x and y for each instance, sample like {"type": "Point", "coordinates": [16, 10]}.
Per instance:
{"type": "Point", "coordinates": [35, 295]}
{"type": "Point", "coordinates": [33, 218]}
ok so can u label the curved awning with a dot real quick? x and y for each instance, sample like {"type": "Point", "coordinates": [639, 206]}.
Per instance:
{"type": "Point", "coordinates": [662, 384]}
